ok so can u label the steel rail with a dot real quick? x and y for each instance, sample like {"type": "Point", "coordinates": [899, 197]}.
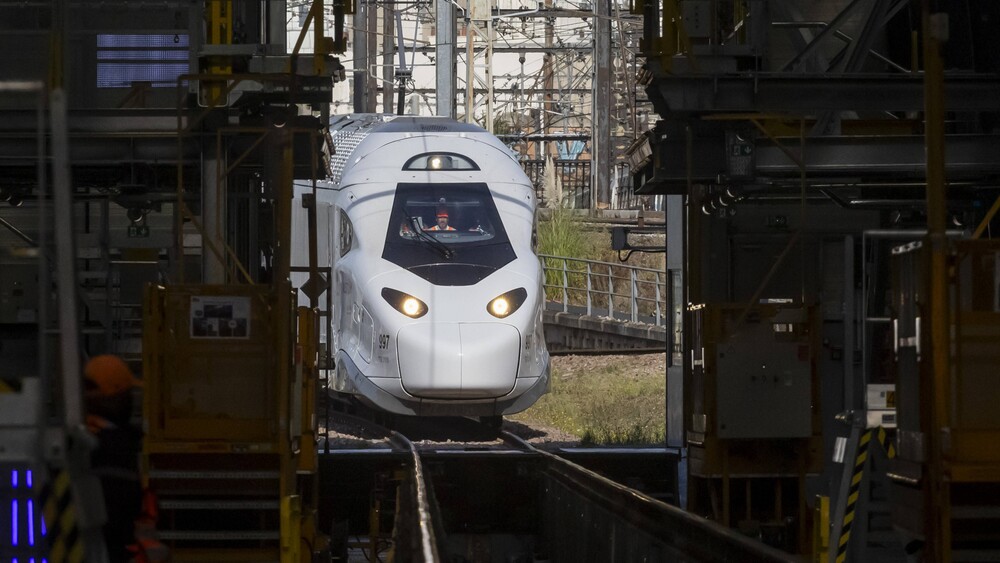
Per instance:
{"type": "Point", "coordinates": [419, 543]}
{"type": "Point", "coordinates": [620, 512]}
{"type": "Point", "coordinates": [426, 544]}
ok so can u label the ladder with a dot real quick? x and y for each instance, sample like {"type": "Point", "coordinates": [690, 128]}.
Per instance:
{"type": "Point", "coordinates": [218, 507]}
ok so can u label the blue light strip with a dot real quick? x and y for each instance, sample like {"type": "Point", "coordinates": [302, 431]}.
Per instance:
{"type": "Point", "coordinates": [13, 478]}
{"type": "Point", "coordinates": [31, 523]}
{"type": "Point", "coordinates": [13, 522]}
{"type": "Point", "coordinates": [28, 474]}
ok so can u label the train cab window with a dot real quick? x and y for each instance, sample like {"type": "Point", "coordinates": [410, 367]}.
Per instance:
{"type": "Point", "coordinates": [453, 227]}
{"type": "Point", "coordinates": [346, 233]}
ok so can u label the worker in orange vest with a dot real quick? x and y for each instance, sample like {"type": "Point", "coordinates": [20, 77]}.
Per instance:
{"type": "Point", "coordinates": [108, 384]}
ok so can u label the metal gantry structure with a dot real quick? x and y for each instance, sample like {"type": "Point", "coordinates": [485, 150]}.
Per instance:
{"type": "Point", "coordinates": [158, 147]}
{"type": "Point", "coordinates": [798, 144]}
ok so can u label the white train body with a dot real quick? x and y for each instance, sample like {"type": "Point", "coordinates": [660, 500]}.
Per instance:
{"type": "Point", "coordinates": [443, 352]}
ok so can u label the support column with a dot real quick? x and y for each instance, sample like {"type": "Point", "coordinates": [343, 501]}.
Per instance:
{"type": "Point", "coordinates": [277, 42]}
{"type": "Point", "coordinates": [935, 30]}
{"type": "Point", "coordinates": [360, 57]}
{"type": "Point", "coordinates": [851, 393]}
{"type": "Point", "coordinates": [445, 68]}
{"type": "Point", "coordinates": [600, 189]}
{"type": "Point", "coordinates": [365, 56]}
{"type": "Point", "coordinates": [388, 62]}
{"type": "Point", "coordinates": [675, 362]}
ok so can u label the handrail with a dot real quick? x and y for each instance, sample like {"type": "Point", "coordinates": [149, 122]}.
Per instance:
{"type": "Point", "coordinates": [615, 290]}
{"type": "Point", "coordinates": [584, 505]}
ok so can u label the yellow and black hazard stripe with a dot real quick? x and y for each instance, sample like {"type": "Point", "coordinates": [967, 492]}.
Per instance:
{"type": "Point", "coordinates": [887, 445]}
{"type": "Point", "coordinates": [854, 492]}
{"type": "Point", "coordinates": [65, 540]}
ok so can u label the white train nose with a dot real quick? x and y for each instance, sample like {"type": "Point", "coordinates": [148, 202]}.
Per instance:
{"type": "Point", "coordinates": [458, 360]}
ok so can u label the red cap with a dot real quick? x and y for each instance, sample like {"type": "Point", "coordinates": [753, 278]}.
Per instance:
{"type": "Point", "coordinates": [442, 213]}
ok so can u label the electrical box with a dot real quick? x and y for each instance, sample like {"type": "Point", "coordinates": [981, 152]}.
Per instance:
{"type": "Point", "coordinates": [753, 372]}
{"type": "Point", "coordinates": [752, 405]}
{"type": "Point", "coordinates": [763, 374]}
{"type": "Point", "coordinates": [880, 405]}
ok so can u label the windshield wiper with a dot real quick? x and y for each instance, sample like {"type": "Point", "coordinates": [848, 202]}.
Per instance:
{"type": "Point", "coordinates": [434, 243]}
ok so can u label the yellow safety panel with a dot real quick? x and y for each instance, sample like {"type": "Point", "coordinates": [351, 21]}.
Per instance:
{"type": "Point", "coordinates": [210, 364]}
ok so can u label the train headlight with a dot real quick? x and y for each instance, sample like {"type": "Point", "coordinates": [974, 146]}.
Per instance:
{"type": "Point", "coordinates": [404, 303]}
{"type": "Point", "coordinates": [440, 161]}
{"type": "Point", "coordinates": [504, 305]}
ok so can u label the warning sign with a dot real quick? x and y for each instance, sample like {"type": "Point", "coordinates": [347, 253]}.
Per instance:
{"type": "Point", "coordinates": [220, 317]}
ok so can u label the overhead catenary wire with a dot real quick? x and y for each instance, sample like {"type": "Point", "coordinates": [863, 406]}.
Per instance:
{"type": "Point", "coordinates": [571, 66]}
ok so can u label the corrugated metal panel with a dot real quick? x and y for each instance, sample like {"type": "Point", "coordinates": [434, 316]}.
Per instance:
{"type": "Point", "coordinates": [347, 132]}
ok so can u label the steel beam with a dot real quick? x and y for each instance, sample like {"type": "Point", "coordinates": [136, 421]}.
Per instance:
{"type": "Point", "coordinates": [968, 156]}
{"type": "Point", "coordinates": [830, 160]}
{"type": "Point", "coordinates": [777, 92]}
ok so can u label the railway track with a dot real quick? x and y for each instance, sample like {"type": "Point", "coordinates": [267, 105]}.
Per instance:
{"type": "Point", "coordinates": [442, 491]}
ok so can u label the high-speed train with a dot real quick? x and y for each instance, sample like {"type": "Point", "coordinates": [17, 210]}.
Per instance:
{"type": "Point", "coordinates": [427, 225]}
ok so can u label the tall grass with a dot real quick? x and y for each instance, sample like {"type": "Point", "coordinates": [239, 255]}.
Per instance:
{"type": "Point", "coordinates": [562, 235]}
{"type": "Point", "coordinates": [613, 405]}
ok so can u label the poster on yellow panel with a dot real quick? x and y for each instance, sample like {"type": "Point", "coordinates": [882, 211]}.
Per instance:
{"type": "Point", "coordinates": [220, 317]}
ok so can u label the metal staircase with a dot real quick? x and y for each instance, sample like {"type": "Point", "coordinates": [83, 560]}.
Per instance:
{"type": "Point", "coordinates": [861, 524]}
{"type": "Point", "coordinates": [230, 449]}
{"type": "Point", "coordinates": [218, 507]}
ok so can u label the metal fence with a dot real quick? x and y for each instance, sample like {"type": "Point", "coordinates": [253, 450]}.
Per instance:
{"type": "Point", "coordinates": [575, 178]}
{"type": "Point", "coordinates": [573, 175]}
{"type": "Point", "coordinates": [607, 289]}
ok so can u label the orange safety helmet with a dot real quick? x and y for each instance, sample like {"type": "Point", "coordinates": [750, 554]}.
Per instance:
{"type": "Point", "coordinates": [443, 213]}
{"type": "Point", "coordinates": [110, 375]}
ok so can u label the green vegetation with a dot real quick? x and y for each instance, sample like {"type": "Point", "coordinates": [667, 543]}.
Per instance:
{"type": "Point", "coordinates": [605, 400]}
{"type": "Point", "coordinates": [562, 235]}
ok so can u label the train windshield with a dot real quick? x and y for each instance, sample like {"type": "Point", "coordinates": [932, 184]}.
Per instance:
{"type": "Point", "coordinates": [449, 234]}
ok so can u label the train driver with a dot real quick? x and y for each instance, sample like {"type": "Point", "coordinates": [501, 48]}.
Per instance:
{"type": "Point", "coordinates": [442, 222]}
